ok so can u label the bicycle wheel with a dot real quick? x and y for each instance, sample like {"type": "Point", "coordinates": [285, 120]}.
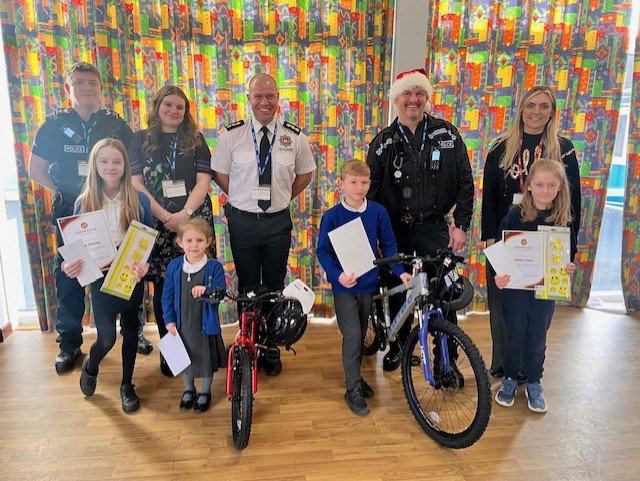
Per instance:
{"type": "Point", "coordinates": [453, 413]}
{"type": "Point", "coordinates": [241, 399]}
{"type": "Point", "coordinates": [372, 339]}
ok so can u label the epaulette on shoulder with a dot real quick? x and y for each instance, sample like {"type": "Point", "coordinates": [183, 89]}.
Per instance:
{"type": "Point", "coordinates": [110, 113]}
{"type": "Point", "coordinates": [60, 111]}
{"type": "Point", "coordinates": [292, 127]}
{"type": "Point", "coordinates": [234, 125]}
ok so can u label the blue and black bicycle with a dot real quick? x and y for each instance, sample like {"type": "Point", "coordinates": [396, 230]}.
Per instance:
{"type": "Point", "coordinates": [443, 374]}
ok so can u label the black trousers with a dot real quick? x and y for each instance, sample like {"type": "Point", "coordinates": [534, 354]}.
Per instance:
{"type": "Point", "coordinates": [425, 240]}
{"type": "Point", "coordinates": [260, 248]}
{"type": "Point", "coordinates": [105, 308]}
{"type": "Point", "coordinates": [527, 321]}
{"type": "Point", "coordinates": [69, 293]}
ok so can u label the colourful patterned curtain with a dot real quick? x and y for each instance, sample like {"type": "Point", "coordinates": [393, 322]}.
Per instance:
{"type": "Point", "coordinates": [483, 54]}
{"type": "Point", "coordinates": [631, 215]}
{"type": "Point", "coordinates": [331, 59]}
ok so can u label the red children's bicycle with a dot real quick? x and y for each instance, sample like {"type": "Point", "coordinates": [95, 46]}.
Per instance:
{"type": "Point", "coordinates": [267, 316]}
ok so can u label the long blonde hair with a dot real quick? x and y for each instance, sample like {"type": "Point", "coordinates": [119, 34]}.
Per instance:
{"type": "Point", "coordinates": [92, 194]}
{"type": "Point", "coordinates": [514, 134]}
{"type": "Point", "coordinates": [561, 205]}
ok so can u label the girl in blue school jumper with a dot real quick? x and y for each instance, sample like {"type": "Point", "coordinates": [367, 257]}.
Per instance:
{"type": "Point", "coordinates": [187, 278]}
{"type": "Point", "coordinates": [546, 201]}
{"type": "Point", "coordinates": [108, 187]}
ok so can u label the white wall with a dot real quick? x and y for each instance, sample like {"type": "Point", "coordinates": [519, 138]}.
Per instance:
{"type": "Point", "coordinates": [409, 38]}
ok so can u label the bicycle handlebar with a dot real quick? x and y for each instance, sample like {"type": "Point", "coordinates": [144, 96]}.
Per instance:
{"type": "Point", "coordinates": [409, 258]}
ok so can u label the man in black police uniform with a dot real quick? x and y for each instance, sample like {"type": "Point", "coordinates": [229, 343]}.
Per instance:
{"type": "Point", "coordinates": [59, 161]}
{"type": "Point", "coordinates": [261, 165]}
{"type": "Point", "coordinates": [419, 171]}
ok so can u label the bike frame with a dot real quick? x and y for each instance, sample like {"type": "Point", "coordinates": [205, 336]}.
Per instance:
{"type": "Point", "coordinates": [418, 288]}
{"type": "Point", "coordinates": [245, 339]}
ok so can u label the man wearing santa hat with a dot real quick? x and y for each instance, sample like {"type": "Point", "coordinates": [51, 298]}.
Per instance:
{"type": "Point", "coordinates": [420, 171]}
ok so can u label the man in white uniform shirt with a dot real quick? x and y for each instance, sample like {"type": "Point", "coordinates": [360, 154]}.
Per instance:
{"type": "Point", "coordinates": [261, 165]}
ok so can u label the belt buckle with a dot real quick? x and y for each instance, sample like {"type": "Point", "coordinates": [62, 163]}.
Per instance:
{"type": "Point", "coordinates": [407, 219]}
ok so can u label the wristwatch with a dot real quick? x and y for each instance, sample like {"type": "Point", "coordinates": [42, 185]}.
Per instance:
{"type": "Point", "coordinates": [464, 228]}
{"type": "Point", "coordinates": [188, 211]}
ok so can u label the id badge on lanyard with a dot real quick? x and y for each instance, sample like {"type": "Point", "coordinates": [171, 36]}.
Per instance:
{"type": "Point", "coordinates": [174, 188]}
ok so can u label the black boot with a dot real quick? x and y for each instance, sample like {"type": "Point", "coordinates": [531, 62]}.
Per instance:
{"type": "Point", "coordinates": [66, 360]}
{"type": "Point", "coordinates": [145, 346]}
{"type": "Point", "coordinates": [129, 398]}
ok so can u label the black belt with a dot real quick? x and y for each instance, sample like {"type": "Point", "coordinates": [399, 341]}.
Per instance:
{"type": "Point", "coordinates": [257, 215]}
{"type": "Point", "coordinates": [409, 219]}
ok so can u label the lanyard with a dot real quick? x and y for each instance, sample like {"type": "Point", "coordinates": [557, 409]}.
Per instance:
{"type": "Point", "coordinates": [537, 153]}
{"type": "Point", "coordinates": [406, 139]}
{"type": "Point", "coordinates": [87, 133]}
{"type": "Point", "coordinates": [174, 153]}
{"type": "Point", "coordinates": [263, 166]}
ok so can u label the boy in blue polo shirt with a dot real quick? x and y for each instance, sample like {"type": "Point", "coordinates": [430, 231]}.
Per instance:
{"type": "Point", "coordinates": [353, 296]}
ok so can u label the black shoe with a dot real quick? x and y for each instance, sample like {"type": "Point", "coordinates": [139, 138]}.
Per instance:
{"type": "Point", "coordinates": [145, 346]}
{"type": "Point", "coordinates": [271, 362]}
{"type": "Point", "coordinates": [164, 368]}
{"type": "Point", "coordinates": [452, 377]}
{"type": "Point", "coordinates": [87, 381]}
{"type": "Point", "coordinates": [186, 405]}
{"type": "Point", "coordinates": [355, 401]}
{"type": "Point", "coordinates": [66, 360]}
{"type": "Point", "coordinates": [392, 359]}
{"type": "Point", "coordinates": [201, 407]}
{"type": "Point", "coordinates": [521, 377]}
{"type": "Point", "coordinates": [497, 373]}
{"type": "Point", "coordinates": [367, 391]}
{"type": "Point", "coordinates": [129, 398]}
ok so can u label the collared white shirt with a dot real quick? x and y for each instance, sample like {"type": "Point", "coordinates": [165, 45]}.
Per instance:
{"type": "Point", "coordinates": [360, 209]}
{"type": "Point", "coordinates": [113, 211]}
{"type": "Point", "coordinates": [235, 155]}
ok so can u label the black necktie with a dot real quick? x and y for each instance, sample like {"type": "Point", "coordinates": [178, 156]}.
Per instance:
{"type": "Point", "coordinates": [265, 178]}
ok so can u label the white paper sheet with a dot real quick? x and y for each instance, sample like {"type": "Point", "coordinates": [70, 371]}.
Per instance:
{"type": "Point", "coordinates": [351, 244]}
{"type": "Point", "coordinates": [77, 251]}
{"type": "Point", "coordinates": [174, 352]}
{"type": "Point", "coordinates": [502, 262]}
{"type": "Point", "coordinates": [299, 290]}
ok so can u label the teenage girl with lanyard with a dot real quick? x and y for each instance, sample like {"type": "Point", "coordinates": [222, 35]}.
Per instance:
{"type": "Point", "coordinates": [532, 136]}
{"type": "Point", "coordinates": [171, 163]}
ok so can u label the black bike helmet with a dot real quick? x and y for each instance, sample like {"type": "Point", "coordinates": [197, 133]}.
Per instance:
{"type": "Point", "coordinates": [286, 322]}
{"type": "Point", "coordinates": [457, 295]}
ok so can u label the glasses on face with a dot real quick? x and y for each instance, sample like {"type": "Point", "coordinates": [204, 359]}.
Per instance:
{"type": "Point", "coordinates": [407, 94]}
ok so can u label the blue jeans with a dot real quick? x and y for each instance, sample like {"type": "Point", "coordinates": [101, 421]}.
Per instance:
{"type": "Point", "coordinates": [527, 321]}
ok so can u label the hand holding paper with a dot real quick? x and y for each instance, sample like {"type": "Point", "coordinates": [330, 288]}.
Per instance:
{"type": "Point", "coordinates": [75, 252]}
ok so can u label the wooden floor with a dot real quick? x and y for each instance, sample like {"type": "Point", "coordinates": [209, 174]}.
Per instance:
{"type": "Point", "coordinates": [303, 430]}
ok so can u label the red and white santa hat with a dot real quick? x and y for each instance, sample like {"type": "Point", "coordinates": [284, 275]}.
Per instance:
{"type": "Point", "coordinates": [409, 79]}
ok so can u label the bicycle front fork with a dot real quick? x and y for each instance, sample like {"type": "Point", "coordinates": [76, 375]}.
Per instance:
{"type": "Point", "coordinates": [442, 344]}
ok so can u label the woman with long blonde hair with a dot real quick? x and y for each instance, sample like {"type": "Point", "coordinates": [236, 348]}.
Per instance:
{"type": "Point", "coordinates": [533, 135]}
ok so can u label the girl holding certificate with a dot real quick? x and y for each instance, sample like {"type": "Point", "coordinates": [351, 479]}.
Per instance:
{"type": "Point", "coordinates": [108, 187]}
{"type": "Point", "coordinates": [546, 201]}
{"type": "Point", "coordinates": [171, 164]}
{"type": "Point", "coordinates": [533, 135]}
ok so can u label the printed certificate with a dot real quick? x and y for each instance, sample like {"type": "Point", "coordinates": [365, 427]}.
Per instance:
{"type": "Point", "coordinates": [136, 247]}
{"type": "Point", "coordinates": [557, 283]}
{"type": "Point", "coordinates": [92, 229]}
{"type": "Point", "coordinates": [526, 248]}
